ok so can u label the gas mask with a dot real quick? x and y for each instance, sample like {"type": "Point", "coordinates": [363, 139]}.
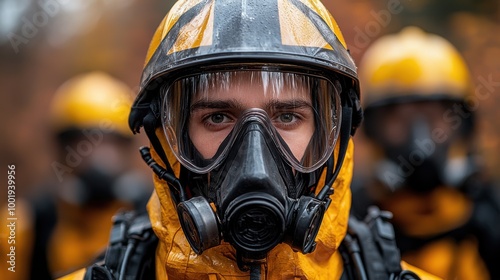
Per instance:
{"type": "Point", "coordinates": [253, 144]}
{"type": "Point", "coordinates": [97, 184]}
{"type": "Point", "coordinates": [419, 161]}
{"type": "Point", "coordinates": [256, 199]}
{"type": "Point", "coordinates": [419, 158]}
{"type": "Point", "coordinates": [103, 176]}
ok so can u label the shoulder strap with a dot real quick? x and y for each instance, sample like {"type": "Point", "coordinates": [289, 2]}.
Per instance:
{"type": "Point", "coordinates": [369, 249]}
{"type": "Point", "coordinates": [131, 250]}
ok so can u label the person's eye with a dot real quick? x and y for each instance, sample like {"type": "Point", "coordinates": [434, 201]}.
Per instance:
{"type": "Point", "coordinates": [218, 118]}
{"type": "Point", "coordinates": [287, 118]}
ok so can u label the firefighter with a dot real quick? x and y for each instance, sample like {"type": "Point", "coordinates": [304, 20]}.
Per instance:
{"type": "Point", "coordinates": [423, 166]}
{"type": "Point", "coordinates": [66, 224]}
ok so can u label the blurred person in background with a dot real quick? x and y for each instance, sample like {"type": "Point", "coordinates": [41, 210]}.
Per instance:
{"type": "Point", "coordinates": [70, 218]}
{"type": "Point", "coordinates": [420, 128]}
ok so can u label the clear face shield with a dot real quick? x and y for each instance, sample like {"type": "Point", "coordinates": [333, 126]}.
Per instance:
{"type": "Point", "coordinates": [203, 115]}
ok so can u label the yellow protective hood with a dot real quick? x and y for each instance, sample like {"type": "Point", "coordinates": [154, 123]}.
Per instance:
{"type": "Point", "coordinates": [176, 260]}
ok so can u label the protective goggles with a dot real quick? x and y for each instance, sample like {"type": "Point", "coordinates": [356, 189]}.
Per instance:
{"type": "Point", "coordinates": [203, 115]}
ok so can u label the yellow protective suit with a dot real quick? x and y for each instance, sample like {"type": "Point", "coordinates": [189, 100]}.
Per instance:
{"type": "Point", "coordinates": [79, 236]}
{"type": "Point", "coordinates": [440, 211]}
{"type": "Point", "coordinates": [16, 242]}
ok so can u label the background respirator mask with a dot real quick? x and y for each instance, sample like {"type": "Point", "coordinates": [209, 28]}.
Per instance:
{"type": "Point", "coordinates": [248, 139]}
{"type": "Point", "coordinates": [417, 159]}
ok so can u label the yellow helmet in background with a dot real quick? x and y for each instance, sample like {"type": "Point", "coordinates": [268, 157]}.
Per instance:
{"type": "Point", "coordinates": [412, 65]}
{"type": "Point", "coordinates": [93, 100]}
{"type": "Point", "coordinates": [416, 87]}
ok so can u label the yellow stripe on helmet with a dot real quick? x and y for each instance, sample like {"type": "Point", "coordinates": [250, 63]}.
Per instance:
{"type": "Point", "coordinates": [293, 30]}
{"type": "Point", "coordinates": [295, 33]}
{"type": "Point", "coordinates": [190, 36]}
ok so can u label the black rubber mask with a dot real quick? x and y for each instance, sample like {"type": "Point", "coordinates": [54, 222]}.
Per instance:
{"type": "Point", "coordinates": [258, 201]}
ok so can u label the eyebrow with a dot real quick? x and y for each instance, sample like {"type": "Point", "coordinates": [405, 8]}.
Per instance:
{"type": "Point", "coordinates": [215, 104]}
{"type": "Point", "coordinates": [287, 104]}
{"type": "Point", "coordinates": [234, 104]}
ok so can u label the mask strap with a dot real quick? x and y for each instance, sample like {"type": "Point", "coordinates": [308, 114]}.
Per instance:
{"type": "Point", "coordinates": [352, 116]}
{"type": "Point", "coordinates": [167, 174]}
{"type": "Point", "coordinates": [345, 134]}
{"type": "Point", "coordinates": [150, 125]}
